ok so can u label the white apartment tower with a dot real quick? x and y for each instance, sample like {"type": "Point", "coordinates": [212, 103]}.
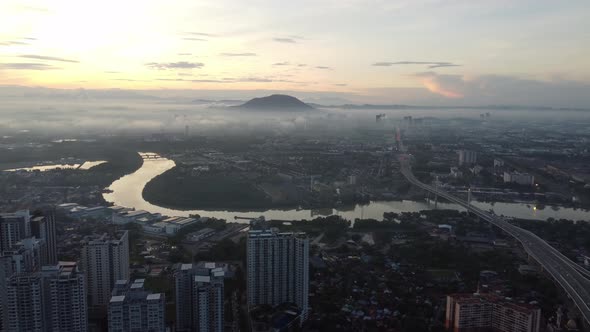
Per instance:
{"type": "Point", "coordinates": [199, 298]}
{"type": "Point", "coordinates": [104, 260]}
{"type": "Point", "coordinates": [25, 303]}
{"type": "Point", "coordinates": [278, 269]}
{"type": "Point", "coordinates": [132, 308]}
{"type": "Point", "coordinates": [24, 257]}
{"type": "Point", "coordinates": [51, 300]}
{"type": "Point", "coordinates": [64, 298]}
{"type": "Point", "coordinates": [519, 178]}
{"type": "Point", "coordinates": [467, 157]}
{"type": "Point", "coordinates": [13, 228]}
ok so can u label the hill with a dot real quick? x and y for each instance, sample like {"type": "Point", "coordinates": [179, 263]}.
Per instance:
{"type": "Point", "coordinates": [276, 102]}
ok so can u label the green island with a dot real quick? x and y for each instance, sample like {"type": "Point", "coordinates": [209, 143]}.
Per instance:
{"type": "Point", "coordinates": [174, 189]}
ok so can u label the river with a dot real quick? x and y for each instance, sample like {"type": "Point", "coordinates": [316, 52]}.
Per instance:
{"type": "Point", "coordinates": [127, 192]}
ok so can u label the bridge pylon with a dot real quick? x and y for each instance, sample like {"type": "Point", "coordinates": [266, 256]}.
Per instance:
{"type": "Point", "coordinates": [436, 193]}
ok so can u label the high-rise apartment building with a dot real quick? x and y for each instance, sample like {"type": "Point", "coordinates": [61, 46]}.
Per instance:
{"type": "Point", "coordinates": [467, 157]}
{"type": "Point", "coordinates": [278, 269]}
{"type": "Point", "coordinates": [199, 298]}
{"type": "Point", "coordinates": [24, 257]}
{"type": "Point", "coordinates": [43, 227]}
{"type": "Point", "coordinates": [13, 228]}
{"type": "Point", "coordinates": [5, 264]}
{"type": "Point", "coordinates": [51, 300]}
{"type": "Point", "coordinates": [104, 260]}
{"type": "Point", "coordinates": [25, 303]}
{"type": "Point", "coordinates": [64, 292]}
{"type": "Point", "coordinates": [519, 178]}
{"type": "Point", "coordinates": [476, 312]}
{"type": "Point", "coordinates": [132, 308]}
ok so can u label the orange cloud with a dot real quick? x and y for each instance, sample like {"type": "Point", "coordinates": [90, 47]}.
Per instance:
{"type": "Point", "coordinates": [435, 87]}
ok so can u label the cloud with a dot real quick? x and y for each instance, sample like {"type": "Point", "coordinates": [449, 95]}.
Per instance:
{"type": "Point", "coordinates": [182, 54]}
{"type": "Point", "coordinates": [128, 80]}
{"type": "Point", "coordinates": [443, 65]}
{"type": "Point", "coordinates": [255, 80]}
{"type": "Point", "coordinates": [175, 65]}
{"type": "Point", "coordinates": [202, 34]}
{"type": "Point", "coordinates": [430, 64]}
{"type": "Point", "coordinates": [507, 90]}
{"type": "Point", "coordinates": [238, 54]}
{"type": "Point", "coordinates": [187, 80]}
{"type": "Point", "coordinates": [112, 72]}
{"type": "Point", "coordinates": [232, 80]}
{"type": "Point", "coordinates": [324, 67]}
{"type": "Point", "coordinates": [47, 58]}
{"type": "Point", "coordinates": [193, 80]}
{"type": "Point", "coordinates": [207, 81]}
{"type": "Point", "coordinates": [302, 65]}
{"type": "Point", "coordinates": [450, 88]}
{"type": "Point", "coordinates": [27, 66]}
{"type": "Point", "coordinates": [340, 84]}
{"type": "Point", "coordinates": [285, 40]}
{"type": "Point", "coordinates": [288, 39]}
{"type": "Point", "coordinates": [194, 39]}
{"type": "Point", "coordinates": [33, 8]}
{"type": "Point", "coordinates": [13, 42]}
{"type": "Point", "coordinates": [285, 63]}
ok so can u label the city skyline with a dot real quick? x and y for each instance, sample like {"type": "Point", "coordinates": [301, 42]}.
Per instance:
{"type": "Point", "coordinates": [331, 165]}
{"type": "Point", "coordinates": [385, 52]}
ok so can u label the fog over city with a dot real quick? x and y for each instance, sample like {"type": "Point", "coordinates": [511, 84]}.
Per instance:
{"type": "Point", "coordinates": [117, 111]}
{"type": "Point", "coordinates": [309, 165]}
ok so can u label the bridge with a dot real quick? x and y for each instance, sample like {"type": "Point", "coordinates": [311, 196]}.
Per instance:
{"type": "Point", "coordinates": [572, 277]}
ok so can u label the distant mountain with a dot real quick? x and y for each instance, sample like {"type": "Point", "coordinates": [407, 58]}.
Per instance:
{"type": "Point", "coordinates": [276, 102]}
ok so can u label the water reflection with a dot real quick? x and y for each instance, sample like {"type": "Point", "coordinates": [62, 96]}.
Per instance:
{"type": "Point", "coordinates": [42, 168]}
{"type": "Point", "coordinates": [127, 191]}
{"type": "Point", "coordinates": [89, 164]}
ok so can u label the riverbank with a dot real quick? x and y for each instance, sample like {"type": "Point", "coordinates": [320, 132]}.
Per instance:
{"type": "Point", "coordinates": [128, 191]}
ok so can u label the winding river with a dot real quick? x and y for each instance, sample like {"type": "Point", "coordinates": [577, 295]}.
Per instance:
{"type": "Point", "coordinates": [127, 192]}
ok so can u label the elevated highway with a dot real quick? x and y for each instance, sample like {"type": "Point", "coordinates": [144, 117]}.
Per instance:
{"type": "Point", "coordinates": [572, 277]}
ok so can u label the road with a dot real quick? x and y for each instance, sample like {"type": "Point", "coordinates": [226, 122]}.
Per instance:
{"type": "Point", "coordinates": [573, 278]}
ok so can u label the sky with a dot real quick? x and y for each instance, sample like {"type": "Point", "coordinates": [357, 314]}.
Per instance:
{"type": "Point", "coordinates": [448, 52]}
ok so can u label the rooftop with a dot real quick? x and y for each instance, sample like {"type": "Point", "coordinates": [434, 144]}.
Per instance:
{"type": "Point", "coordinates": [114, 236]}
{"type": "Point", "coordinates": [117, 208]}
{"type": "Point", "coordinates": [273, 233]}
{"type": "Point", "coordinates": [119, 298]}
{"type": "Point", "coordinates": [136, 213]}
{"type": "Point", "coordinates": [126, 291]}
{"type": "Point", "coordinates": [478, 298]}
{"type": "Point", "coordinates": [184, 221]}
{"type": "Point", "coordinates": [202, 278]}
{"type": "Point", "coordinates": [95, 208]}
